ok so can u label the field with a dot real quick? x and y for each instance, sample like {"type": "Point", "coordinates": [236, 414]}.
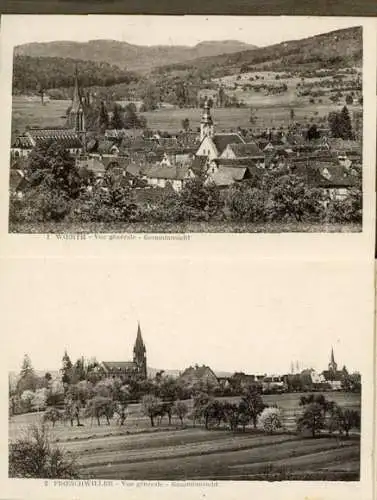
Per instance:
{"type": "Point", "coordinates": [269, 111]}
{"type": "Point", "coordinates": [138, 452]}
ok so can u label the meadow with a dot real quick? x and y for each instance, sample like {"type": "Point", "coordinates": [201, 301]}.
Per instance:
{"type": "Point", "coordinates": [139, 452]}
{"type": "Point", "coordinates": [269, 111]}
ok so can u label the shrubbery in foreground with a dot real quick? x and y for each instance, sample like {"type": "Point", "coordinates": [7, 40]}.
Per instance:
{"type": "Point", "coordinates": [34, 457]}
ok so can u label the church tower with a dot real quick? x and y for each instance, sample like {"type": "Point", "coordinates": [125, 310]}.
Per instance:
{"type": "Point", "coordinates": [206, 123]}
{"type": "Point", "coordinates": [140, 354]}
{"type": "Point", "coordinates": [76, 118]}
{"type": "Point", "coordinates": [333, 367]}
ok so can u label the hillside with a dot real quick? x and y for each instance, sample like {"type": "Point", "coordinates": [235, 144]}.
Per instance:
{"type": "Point", "coordinates": [128, 56]}
{"type": "Point", "coordinates": [32, 73]}
{"type": "Point", "coordinates": [335, 49]}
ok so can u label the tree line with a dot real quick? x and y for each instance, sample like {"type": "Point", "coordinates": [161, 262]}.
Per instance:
{"type": "Point", "coordinates": [31, 74]}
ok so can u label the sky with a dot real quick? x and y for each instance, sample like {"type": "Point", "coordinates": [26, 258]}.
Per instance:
{"type": "Point", "coordinates": [169, 30]}
{"type": "Point", "coordinates": [251, 316]}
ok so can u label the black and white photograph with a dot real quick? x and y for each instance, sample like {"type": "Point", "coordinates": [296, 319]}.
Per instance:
{"type": "Point", "coordinates": [146, 124]}
{"type": "Point", "coordinates": [196, 383]}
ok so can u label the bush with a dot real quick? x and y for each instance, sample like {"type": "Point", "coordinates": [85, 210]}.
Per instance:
{"type": "Point", "coordinates": [347, 210]}
{"type": "Point", "coordinates": [247, 204]}
{"type": "Point", "coordinates": [270, 420]}
{"type": "Point", "coordinates": [34, 457]}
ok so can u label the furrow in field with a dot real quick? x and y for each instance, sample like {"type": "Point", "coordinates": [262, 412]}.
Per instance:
{"type": "Point", "coordinates": [213, 465]}
{"type": "Point", "coordinates": [232, 443]}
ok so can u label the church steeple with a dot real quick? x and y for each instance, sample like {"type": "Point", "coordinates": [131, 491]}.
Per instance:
{"type": "Point", "coordinates": [140, 356]}
{"type": "Point", "coordinates": [206, 123]}
{"type": "Point", "coordinates": [76, 114]}
{"type": "Point", "coordinates": [332, 365]}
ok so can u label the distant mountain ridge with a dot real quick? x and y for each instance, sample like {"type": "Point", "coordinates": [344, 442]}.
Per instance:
{"type": "Point", "coordinates": [339, 47]}
{"type": "Point", "coordinates": [129, 56]}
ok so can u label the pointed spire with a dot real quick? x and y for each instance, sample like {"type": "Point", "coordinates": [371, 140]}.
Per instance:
{"type": "Point", "coordinates": [139, 344]}
{"type": "Point", "coordinates": [332, 356]}
{"type": "Point", "coordinates": [76, 98]}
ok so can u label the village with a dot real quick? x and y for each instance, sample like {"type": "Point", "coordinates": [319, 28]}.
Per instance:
{"type": "Point", "coordinates": [327, 159]}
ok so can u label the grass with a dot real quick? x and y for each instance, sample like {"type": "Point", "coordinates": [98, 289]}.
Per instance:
{"type": "Point", "coordinates": [61, 228]}
{"type": "Point", "coordinates": [138, 452]}
{"type": "Point", "coordinates": [269, 111]}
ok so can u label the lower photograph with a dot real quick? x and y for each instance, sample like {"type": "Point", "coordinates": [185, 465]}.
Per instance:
{"type": "Point", "coordinates": [186, 371]}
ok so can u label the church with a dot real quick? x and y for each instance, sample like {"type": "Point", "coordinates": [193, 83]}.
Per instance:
{"type": "Point", "coordinates": [135, 369]}
{"type": "Point", "coordinates": [72, 136]}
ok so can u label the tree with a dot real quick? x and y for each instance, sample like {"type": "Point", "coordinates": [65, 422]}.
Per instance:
{"type": "Point", "coordinates": [312, 133]}
{"type": "Point", "coordinates": [180, 409]}
{"type": "Point", "coordinates": [252, 117]}
{"type": "Point", "coordinates": [39, 400]}
{"type": "Point", "coordinates": [28, 380]}
{"type": "Point", "coordinates": [66, 369]}
{"type": "Point", "coordinates": [185, 124]}
{"type": "Point", "coordinates": [270, 420]}
{"type": "Point", "coordinates": [103, 117]}
{"type": "Point", "coordinates": [350, 419]}
{"type": "Point", "coordinates": [254, 402]}
{"type": "Point", "coordinates": [117, 117]}
{"type": "Point", "coordinates": [200, 200]}
{"type": "Point", "coordinates": [312, 419]}
{"type": "Point", "coordinates": [150, 405]}
{"type": "Point", "coordinates": [340, 124]}
{"type": "Point", "coordinates": [100, 406]}
{"type": "Point", "coordinates": [291, 198]}
{"type": "Point", "coordinates": [27, 368]}
{"type": "Point", "coordinates": [27, 398]}
{"type": "Point", "coordinates": [349, 99]}
{"type": "Point", "coordinates": [33, 456]}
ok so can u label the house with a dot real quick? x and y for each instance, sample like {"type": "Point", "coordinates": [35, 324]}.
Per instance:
{"type": "Point", "coordinates": [243, 151]}
{"type": "Point", "coordinates": [129, 369]}
{"type": "Point", "coordinates": [274, 383]}
{"type": "Point", "coordinates": [240, 381]}
{"type": "Point", "coordinates": [161, 176]}
{"type": "Point", "coordinates": [119, 134]}
{"type": "Point", "coordinates": [92, 165]}
{"type": "Point", "coordinates": [107, 147]}
{"type": "Point", "coordinates": [21, 147]}
{"type": "Point", "coordinates": [334, 180]}
{"type": "Point", "coordinates": [225, 172]}
{"type": "Point", "coordinates": [197, 375]}
{"type": "Point", "coordinates": [69, 139]}
{"type": "Point", "coordinates": [213, 147]}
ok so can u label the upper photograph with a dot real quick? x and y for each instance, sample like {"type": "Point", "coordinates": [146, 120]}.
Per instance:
{"type": "Point", "coordinates": [183, 125]}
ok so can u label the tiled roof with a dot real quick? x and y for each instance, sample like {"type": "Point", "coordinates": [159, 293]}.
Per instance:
{"type": "Point", "coordinates": [160, 172]}
{"type": "Point", "coordinates": [104, 147]}
{"type": "Point", "coordinates": [66, 137]}
{"type": "Point", "coordinates": [119, 365]}
{"type": "Point", "coordinates": [93, 164]}
{"type": "Point", "coordinates": [222, 140]}
{"type": "Point", "coordinates": [249, 149]}
{"type": "Point", "coordinates": [326, 175]}
{"type": "Point", "coordinates": [22, 142]}
{"type": "Point", "coordinates": [225, 176]}
{"type": "Point", "coordinates": [197, 372]}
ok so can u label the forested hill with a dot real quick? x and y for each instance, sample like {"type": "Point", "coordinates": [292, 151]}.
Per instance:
{"type": "Point", "coordinates": [133, 57]}
{"type": "Point", "coordinates": [335, 49]}
{"type": "Point", "coordinates": [30, 74]}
